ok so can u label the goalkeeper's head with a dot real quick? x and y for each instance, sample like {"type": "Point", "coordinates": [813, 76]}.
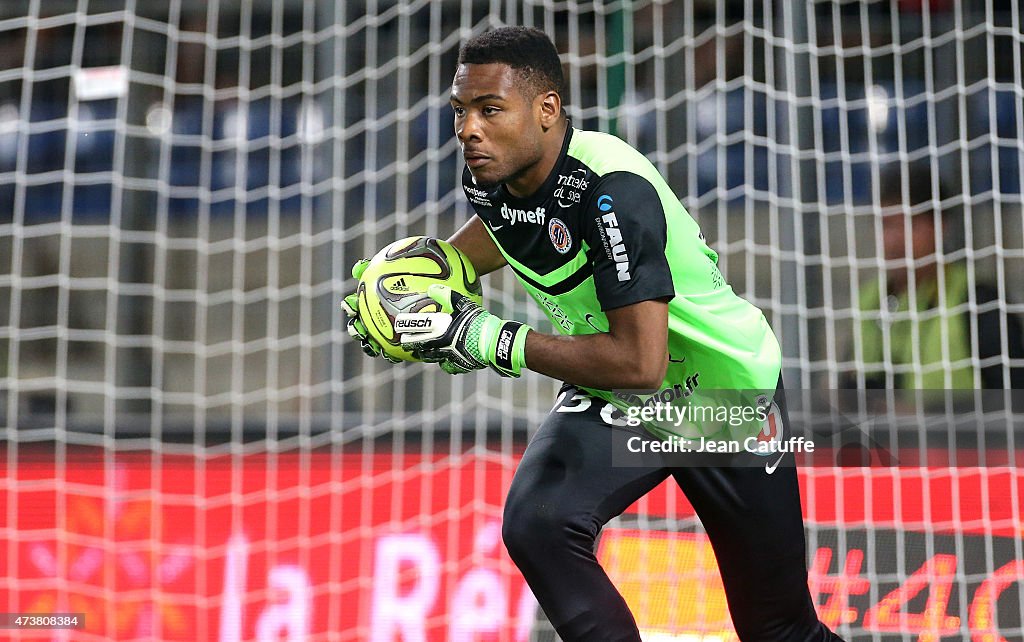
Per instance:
{"type": "Point", "coordinates": [507, 98]}
{"type": "Point", "coordinates": [527, 50]}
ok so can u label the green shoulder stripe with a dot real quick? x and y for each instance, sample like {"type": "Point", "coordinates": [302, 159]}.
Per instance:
{"type": "Point", "coordinates": [604, 154]}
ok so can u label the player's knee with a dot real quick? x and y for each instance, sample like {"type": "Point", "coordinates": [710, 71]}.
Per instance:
{"type": "Point", "coordinates": [535, 535]}
{"type": "Point", "coordinates": [522, 532]}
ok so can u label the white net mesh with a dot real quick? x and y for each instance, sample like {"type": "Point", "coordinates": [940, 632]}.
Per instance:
{"type": "Point", "coordinates": [194, 449]}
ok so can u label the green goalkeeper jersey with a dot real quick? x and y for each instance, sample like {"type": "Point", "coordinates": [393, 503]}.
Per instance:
{"type": "Point", "coordinates": [606, 231]}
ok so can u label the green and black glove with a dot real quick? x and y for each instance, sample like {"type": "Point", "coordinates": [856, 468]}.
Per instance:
{"type": "Point", "coordinates": [464, 336]}
{"type": "Point", "coordinates": [356, 329]}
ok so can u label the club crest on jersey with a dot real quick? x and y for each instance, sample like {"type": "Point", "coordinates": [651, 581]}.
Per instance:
{"type": "Point", "coordinates": [558, 232]}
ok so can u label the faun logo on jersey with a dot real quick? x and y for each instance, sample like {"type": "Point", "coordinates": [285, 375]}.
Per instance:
{"type": "Point", "coordinates": [514, 216]}
{"type": "Point", "coordinates": [612, 237]}
{"type": "Point", "coordinates": [570, 188]}
{"type": "Point", "coordinates": [478, 196]}
{"type": "Point", "coordinates": [558, 232]}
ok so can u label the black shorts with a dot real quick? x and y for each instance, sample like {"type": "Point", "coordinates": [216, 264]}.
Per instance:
{"type": "Point", "coordinates": [571, 481]}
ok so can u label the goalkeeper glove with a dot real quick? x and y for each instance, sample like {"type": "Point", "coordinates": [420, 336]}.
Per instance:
{"type": "Point", "coordinates": [464, 336]}
{"type": "Point", "coordinates": [356, 328]}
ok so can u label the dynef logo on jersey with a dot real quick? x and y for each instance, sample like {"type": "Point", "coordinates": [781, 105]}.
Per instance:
{"type": "Point", "coordinates": [612, 237]}
{"type": "Point", "coordinates": [514, 216]}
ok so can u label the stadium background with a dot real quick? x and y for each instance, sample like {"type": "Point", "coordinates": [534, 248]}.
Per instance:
{"type": "Point", "coordinates": [194, 449]}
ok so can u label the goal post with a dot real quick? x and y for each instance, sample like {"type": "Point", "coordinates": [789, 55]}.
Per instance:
{"type": "Point", "coordinates": [193, 447]}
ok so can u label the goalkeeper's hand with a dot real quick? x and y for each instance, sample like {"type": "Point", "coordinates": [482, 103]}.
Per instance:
{"type": "Point", "coordinates": [464, 336]}
{"type": "Point", "coordinates": [356, 329]}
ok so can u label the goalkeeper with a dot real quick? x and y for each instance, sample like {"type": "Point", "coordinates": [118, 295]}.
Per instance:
{"type": "Point", "coordinates": [597, 237]}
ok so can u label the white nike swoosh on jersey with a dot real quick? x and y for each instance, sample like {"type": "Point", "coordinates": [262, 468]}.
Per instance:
{"type": "Point", "coordinates": [496, 227]}
{"type": "Point", "coordinates": [770, 468]}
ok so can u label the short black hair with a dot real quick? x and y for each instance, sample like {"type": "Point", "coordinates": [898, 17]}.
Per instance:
{"type": "Point", "coordinates": [918, 176]}
{"type": "Point", "coordinates": [527, 50]}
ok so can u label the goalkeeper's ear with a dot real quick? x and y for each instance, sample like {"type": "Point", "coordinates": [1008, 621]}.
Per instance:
{"type": "Point", "coordinates": [549, 108]}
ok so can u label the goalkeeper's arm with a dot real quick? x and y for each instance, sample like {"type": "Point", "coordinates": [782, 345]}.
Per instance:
{"type": "Point", "coordinates": [463, 337]}
{"type": "Point", "coordinates": [478, 246]}
{"type": "Point", "coordinates": [632, 355]}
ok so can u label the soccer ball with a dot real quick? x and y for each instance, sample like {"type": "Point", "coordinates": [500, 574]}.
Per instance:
{"type": "Point", "coordinates": [396, 281]}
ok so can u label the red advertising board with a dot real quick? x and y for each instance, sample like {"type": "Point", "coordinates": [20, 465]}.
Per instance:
{"type": "Point", "coordinates": [387, 547]}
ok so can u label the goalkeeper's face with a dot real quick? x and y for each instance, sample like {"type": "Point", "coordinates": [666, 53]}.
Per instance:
{"type": "Point", "coordinates": [504, 133]}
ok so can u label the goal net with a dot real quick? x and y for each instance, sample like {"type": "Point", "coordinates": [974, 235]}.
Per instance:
{"type": "Point", "coordinates": [194, 449]}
